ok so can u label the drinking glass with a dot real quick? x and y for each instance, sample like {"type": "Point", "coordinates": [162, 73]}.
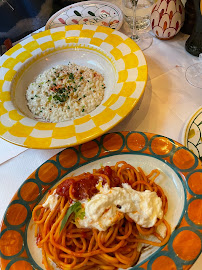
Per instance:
{"type": "Point", "coordinates": [142, 38]}
{"type": "Point", "coordinates": [193, 73]}
{"type": "Point", "coordinates": [143, 12]}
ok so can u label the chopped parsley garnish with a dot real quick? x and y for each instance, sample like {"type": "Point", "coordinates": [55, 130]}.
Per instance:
{"type": "Point", "coordinates": [71, 76]}
{"type": "Point", "coordinates": [60, 98]}
{"type": "Point", "coordinates": [61, 90]}
{"type": "Point", "coordinates": [81, 78]}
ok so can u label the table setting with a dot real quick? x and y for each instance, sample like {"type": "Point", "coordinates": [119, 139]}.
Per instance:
{"type": "Point", "coordinates": [134, 72]}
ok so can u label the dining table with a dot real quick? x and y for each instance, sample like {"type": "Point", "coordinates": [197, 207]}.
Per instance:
{"type": "Point", "coordinates": [165, 107]}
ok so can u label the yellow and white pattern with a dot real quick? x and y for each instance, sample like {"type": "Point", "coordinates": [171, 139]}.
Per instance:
{"type": "Point", "coordinates": [192, 133]}
{"type": "Point", "coordinates": [130, 71]}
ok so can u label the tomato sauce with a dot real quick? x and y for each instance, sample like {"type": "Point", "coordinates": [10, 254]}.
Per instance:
{"type": "Point", "coordinates": [63, 188]}
{"type": "Point", "coordinates": [114, 179]}
{"type": "Point", "coordinates": [85, 187]}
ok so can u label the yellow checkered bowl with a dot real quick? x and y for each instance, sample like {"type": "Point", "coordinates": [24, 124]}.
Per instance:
{"type": "Point", "coordinates": [110, 52]}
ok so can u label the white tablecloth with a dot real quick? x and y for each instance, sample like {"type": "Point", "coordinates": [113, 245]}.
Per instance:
{"type": "Point", "coordinates": [166, 105]}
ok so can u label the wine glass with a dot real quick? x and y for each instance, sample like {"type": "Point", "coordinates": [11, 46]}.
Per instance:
{"type": "Point", "coordinates": [193, 45]}
{"type": "Point", "coordinates": [193, 73]}
{"type": "Point", "coordinates": [141, 37]}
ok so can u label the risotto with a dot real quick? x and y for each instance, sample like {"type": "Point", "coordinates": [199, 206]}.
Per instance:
{"type": "Point", "coordinates": [65, 92]}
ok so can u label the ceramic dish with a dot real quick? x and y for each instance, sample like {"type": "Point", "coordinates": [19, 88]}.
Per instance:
{"type": "Point", "coordinates": [181, 177]}
{"type": "Point", "coordinates": [109, 52]}
{"type": "Point", "coordinates": [88, 12]}
{"type": "Point", "coordinates": [192, 134]}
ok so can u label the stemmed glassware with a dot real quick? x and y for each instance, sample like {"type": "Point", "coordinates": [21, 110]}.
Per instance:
{"type": "Point", "coordinates": [193, 45]}
{"type": "Point", "coordinates": [142, 37]}
{"type": "Point", "coordinates": [134, 35]}
{"type": "Point", "coordinates": [193, 73]}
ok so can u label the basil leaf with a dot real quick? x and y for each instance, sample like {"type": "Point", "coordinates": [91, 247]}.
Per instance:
{"type": "Point", "coordinates": [74, 208]}
{"type": "Point", "coordinates": [80, 214]}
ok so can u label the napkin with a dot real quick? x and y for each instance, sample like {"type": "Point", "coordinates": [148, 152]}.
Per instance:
{"type": "Point", "coordinates": [9, 150]}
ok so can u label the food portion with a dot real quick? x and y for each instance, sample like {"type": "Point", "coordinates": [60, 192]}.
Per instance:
{"type": "Point", "coordinates": [65, 92]}
{"type": "Point", "coordinates": [101, 220]}
{"type": "Point", "coordinates": [101, 212]}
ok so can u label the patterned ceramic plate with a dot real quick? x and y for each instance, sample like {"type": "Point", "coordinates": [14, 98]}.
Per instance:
{"type": "Point", "coordinates": [181, 179]}
{"type": "Point", "coordinates": [193, 133]}
{"type": "Point", "coordinates": [90, 13]}
{"type": "Point", "coordinates": [109, 52]}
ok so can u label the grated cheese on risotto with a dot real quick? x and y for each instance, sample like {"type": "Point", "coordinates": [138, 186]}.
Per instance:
{"type": "Point", "coordinates": [65, 92]}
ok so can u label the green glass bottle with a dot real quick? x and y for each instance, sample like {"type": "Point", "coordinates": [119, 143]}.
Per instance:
{"type": "Point", "coordinates": [193, 44]}
{"type": "Point", "coordinates": [190, 17]}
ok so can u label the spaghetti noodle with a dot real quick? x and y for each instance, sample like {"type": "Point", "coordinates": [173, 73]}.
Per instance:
{"type": "Point", "coordinates": [70, 247]}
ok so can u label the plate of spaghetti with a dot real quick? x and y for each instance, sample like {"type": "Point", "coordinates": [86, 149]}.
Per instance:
{"type": "Point", "coordinates": [126, 200]}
